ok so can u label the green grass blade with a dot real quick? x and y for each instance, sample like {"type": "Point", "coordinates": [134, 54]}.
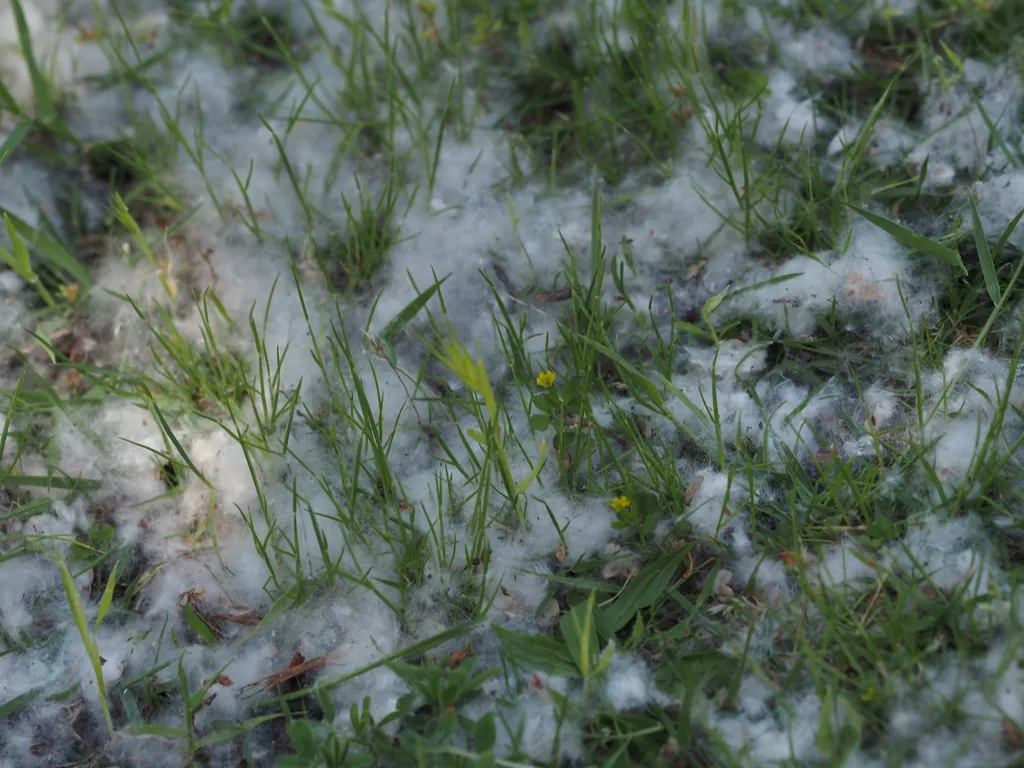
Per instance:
{"type": "Point", "coordinates": [8, 102]}
{"type": "Point", "coordinates": [74, 602]}
{"type": "Point", "coordinates": [1003, 238]}
{"type": "Point", "coordinates": [856, 154]}
{"type": "Point", "coordinates": [40, 87]}
{"type": "Point", "coordinates": [914, 241]}
{"type": "Point", "coordinates": [12, 706]}
{"type": "Point", "coordinates": [14, 139]}
{"type": "Point", "coordinates": [226, 731]}
{"type": "Point", "coordinates": [89, 641]}
{"type": "Point", "coordinates": [51, 250]}
{"type": "Point", "coordinates": [177, 445]}
{"type": "Point", "coordinates": [158, 731]}
{"type": "Point", "coordinates": [26, 510]}
{"type": "Point", "coordinates": [633, 375]}
{"type": "Point", "coordinates": [988, 267]}
{"type": "Point", "coordinates": [402, 319]}
{"type": "Point", "coordinates": [108, 598]}
{"type": "Point", "coordinates": [57, 483]}
{"type": "Point", "coordinates": [10, 416]}
{"type": "Point", "coordinates": [21, 263]}
{"type": "Point", "coordinates": [280, 606]}
{"type": "Point", "coordinates": [412, 650]}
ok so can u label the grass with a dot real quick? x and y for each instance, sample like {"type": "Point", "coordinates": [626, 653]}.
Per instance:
{"type": "Point", "coordinates": [770, 528]}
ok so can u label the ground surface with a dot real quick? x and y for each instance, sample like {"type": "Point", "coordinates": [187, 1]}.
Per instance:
{"type": "Point", "coordinates": [464, 383]}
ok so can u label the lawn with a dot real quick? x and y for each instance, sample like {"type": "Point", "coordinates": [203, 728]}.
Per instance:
{"type": "Point", "coordinates": [516, 383]}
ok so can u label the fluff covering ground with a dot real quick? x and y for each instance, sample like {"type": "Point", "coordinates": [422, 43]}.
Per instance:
{"type": "Point", "coordinates": [473, 383]}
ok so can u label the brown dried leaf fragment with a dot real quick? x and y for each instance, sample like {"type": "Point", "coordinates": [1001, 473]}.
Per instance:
{"type": "Point", "coordinates": [560, 294]}
{"type": "Point", "coordinates": [192, 596]}
{"type": "Point", "coordinates": [297, 667]}
{"type": "Point", "coordinates": [459, 656]}
{"type": "Point", "coordinates": [1012, 736]}
{"type": "Point", "coordinates": [691, 490]}
{"type": "Point", "coordinates": [248, 618]}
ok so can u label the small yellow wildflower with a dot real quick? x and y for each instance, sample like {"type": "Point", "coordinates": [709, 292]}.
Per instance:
{"type": "Point", "coordinates": [70, 292]}
{"type": "Point", "coordinates": [620, 503]}
{"type": "Point", "coordinates": [546, 378]}
{"type": "Point", "coordinates": [869, 694]}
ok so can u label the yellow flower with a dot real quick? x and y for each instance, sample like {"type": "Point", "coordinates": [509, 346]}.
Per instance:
{"type": "Point", "coordinates": [620, 503]}
{"type": "Point", "coordinates": [70, 292]}
{"type": "Point", "coordinates": [869, 694]}
{"type": "Point", "coordinates": [546, 378]}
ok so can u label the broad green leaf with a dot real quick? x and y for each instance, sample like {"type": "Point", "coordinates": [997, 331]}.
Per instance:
{"type": "Point", "coordinates": [485, 733]}
{"type": "Point", "coordinates": [293, 761]}
{"type": "Point", "coordinates": [540, 422]}
{"type": "Point", "coordinates": [527, 481]}
{"type": "Point", "coordinates": [197, 625]}
{"type": "Point", "coordinates": [913, 240]}
{"type": "Point", "coordinates": [580, 634]}
{"type": "Point", "coordinates": [326, 704]}
{"type": "Point", "coordinates": [643, 590]}
{"type": "Point", "coordinates": [607, 653]}
{"type": "Point", "coordinates": [537, 652]}
{"type": "Point", "coordinates": [302, 739]}
{"type": "Point", "coordinates": [132, 712]}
